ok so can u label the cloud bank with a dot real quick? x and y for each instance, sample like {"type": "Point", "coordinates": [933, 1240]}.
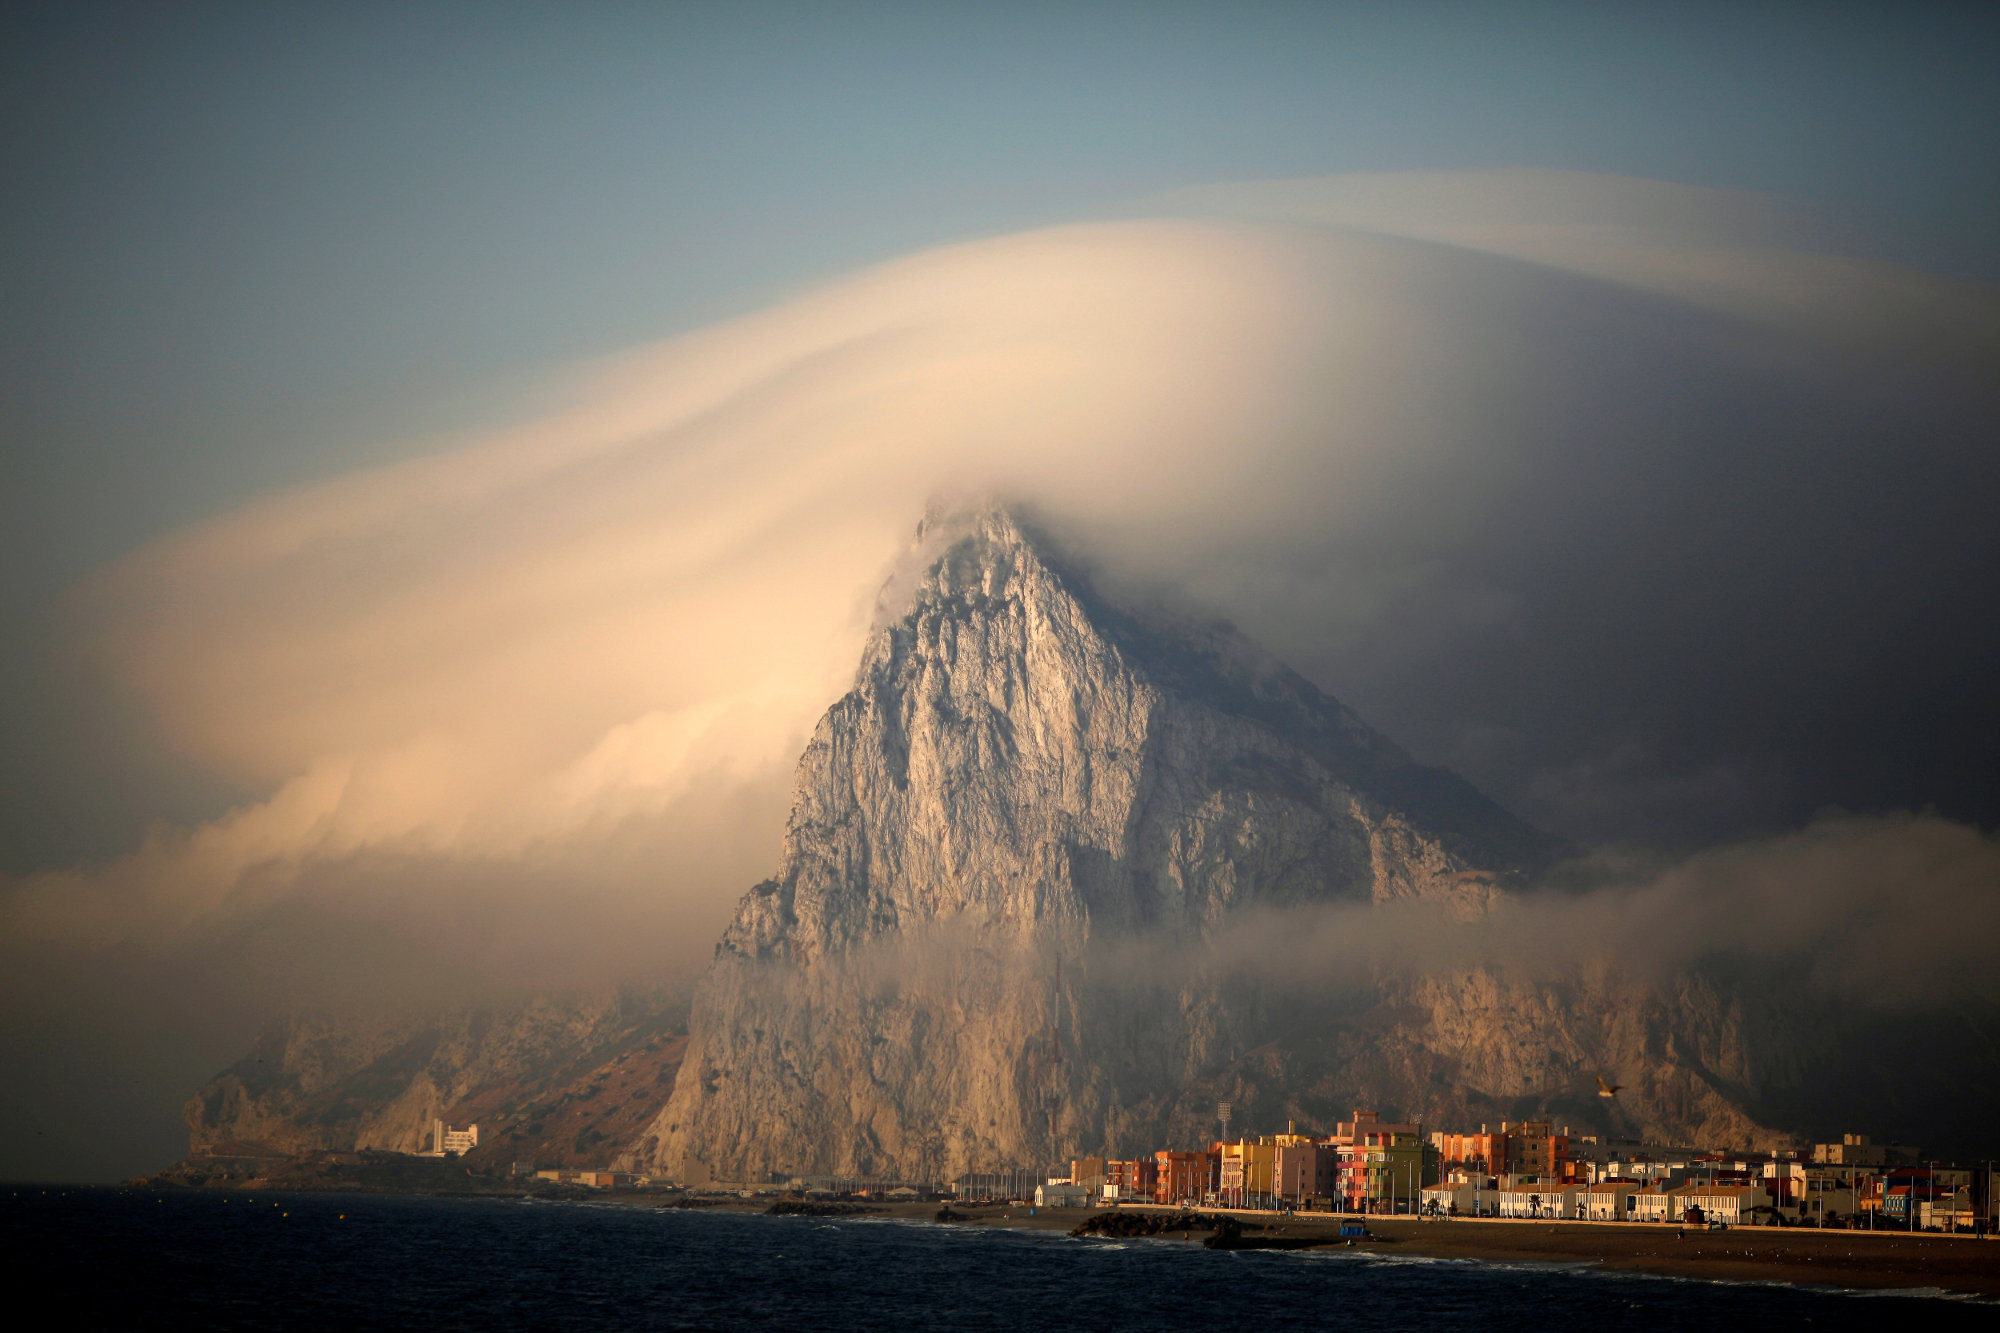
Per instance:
{"type": "Point", "coordinates": [1634, 502]}
{"type": "Point", "coordinates": [1895, 913]}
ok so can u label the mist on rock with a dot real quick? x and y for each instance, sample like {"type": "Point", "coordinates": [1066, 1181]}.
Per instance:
{"type": "Point", "coordinates": [1054, 882]}
{"type": "Point", "coordinates": [1638, 506]}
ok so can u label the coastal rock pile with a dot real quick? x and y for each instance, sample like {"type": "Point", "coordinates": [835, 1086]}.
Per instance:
{"type": "Point", "coordinates": [818, 1208]}
{"type": "Point", "coordinates": [1119, 1224]}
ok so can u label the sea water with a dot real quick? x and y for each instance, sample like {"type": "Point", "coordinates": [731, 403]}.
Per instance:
{"type": "Point", "coordinates": [127, 1258]}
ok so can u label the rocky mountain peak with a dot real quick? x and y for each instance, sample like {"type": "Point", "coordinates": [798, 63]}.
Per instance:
{"type": "Point", "coordinates": [1022, 773]}
{"type": "Point", "coordinates": [1008, 924]}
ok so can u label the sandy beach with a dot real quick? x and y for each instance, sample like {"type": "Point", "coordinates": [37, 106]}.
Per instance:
{"type": "Point", "coordinates": [1741, 1254]}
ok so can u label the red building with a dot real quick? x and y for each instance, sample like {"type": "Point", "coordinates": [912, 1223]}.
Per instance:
{"type": "Point", "coordinates": [1183, 1176]}
{"type": "Point", "coordinates": [1132, 1180]}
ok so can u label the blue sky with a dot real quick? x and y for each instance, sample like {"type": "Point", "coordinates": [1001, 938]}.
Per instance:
{"type": "Point", "coordinates": [255, 244]}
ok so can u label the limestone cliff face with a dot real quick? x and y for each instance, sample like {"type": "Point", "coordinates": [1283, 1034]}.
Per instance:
{"type": "Point", "coordinates": [556, 1080]}
{"type": "Point", "coordinates": [1692, 1055]}
{"type": "Point", "coordinates": [1022, 784]}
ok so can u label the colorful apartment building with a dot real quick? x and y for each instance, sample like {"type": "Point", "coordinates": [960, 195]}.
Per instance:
{"type": "Point", "coordinates": [1518, 1148]}
{"type": "Point", "coordinates": [1535, 1149]}
{"type": "Point", "coordinates": [1304, 1170]}
{"type": "Point", "coordinates": [1125, 1181]}
{"type": "Point", "coordinates": [1901, 1192]}
{"type": "Point", "coordinates": [1185, 1177]}
{"type": "Point", "coordinates": [1247, 1170]}
{"type": "Point", "coordinates": [1532, 1168]}
{"type": "Point", "coordinates": [1382, 1170]}
{"type": "Point", "coordinates": [1484, 1152]}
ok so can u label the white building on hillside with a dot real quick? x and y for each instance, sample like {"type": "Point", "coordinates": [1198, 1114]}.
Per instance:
{"type": "Point", "coordinates": [449, 1142]}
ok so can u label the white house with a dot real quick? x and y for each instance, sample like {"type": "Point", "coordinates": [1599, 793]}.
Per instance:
{"type": "Point", "coordinates": [1946, 1214]}
{"type": "Point", "coordinates": [1825, 1199]}
{"type": "Point", "coordinates": [1608, 1202]}
{"type": "Point", "coordinates": [1657, 1203]}
{"type": "Point", "coordinates": [1540, 1199]}
{"type": "Point", "coordinates": [1063, 1196]}
{"type": "Point", "coordinates": [1453, 1196]}
{"type": "Point", "coordinates": [1667, 1171]}
{"type": "Point", "coordinates": [1731, 1204]}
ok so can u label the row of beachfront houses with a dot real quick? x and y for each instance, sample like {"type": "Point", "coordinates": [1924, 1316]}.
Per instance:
{"type": "Point", "coordinates": [1736, 1192]}
{"type": "Point", "coordinates": [1534, 1169]}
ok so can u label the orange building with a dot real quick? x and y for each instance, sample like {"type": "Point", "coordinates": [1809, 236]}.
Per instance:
{"type": "Point", "coordinates": [1484, 1152]}
{"type": "Point", "coordinates": [1519, 1148]}
{"type": "Point", "coordinates": [1183, 1177]}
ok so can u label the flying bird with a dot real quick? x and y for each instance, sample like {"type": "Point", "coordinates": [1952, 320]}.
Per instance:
{"type": "Point", "coordinates": [1607, 1089]}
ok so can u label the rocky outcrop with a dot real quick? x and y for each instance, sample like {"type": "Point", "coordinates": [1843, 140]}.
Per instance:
{"type": "Point", "coordinates": [1057, 878]}
{"type": "Point", "coordinates": [557, 1081]}
{"type": "Point", "coordinates": [1457, 1051]}
{"type": "Point", "coordinates": [1010, 846]}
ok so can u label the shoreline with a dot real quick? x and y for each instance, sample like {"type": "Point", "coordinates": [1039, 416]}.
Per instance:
{"type": "Point", "coordinates": [1798, 1256]}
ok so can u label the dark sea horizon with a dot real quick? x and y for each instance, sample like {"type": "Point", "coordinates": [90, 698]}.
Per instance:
{"type": "Point", "coordinates": [121, 1257]}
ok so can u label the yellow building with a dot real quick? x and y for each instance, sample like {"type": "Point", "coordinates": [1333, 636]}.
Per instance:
{"type": "Point", "coordinates": [1247, 1169]}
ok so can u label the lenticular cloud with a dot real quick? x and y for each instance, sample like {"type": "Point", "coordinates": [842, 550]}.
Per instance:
{"type": "Point", "coordinates": [1351, 415]}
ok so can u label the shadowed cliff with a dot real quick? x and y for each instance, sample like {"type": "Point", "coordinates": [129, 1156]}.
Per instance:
{"type": "Point", "coordinates": [1014, 842]}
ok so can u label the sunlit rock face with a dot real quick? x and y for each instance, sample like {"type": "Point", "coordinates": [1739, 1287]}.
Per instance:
{"type": "Point", "coordinates": [1020, 777]}
{"type": "Point", "coordinates": [1010, 846]}
{"type": "Point", "coordinates": [551, 1079]}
